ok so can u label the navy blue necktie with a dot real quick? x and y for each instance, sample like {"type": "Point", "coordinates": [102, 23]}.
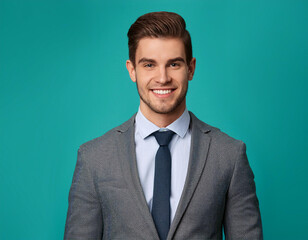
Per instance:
{"type": "Point", "coordinates": [162, 184]}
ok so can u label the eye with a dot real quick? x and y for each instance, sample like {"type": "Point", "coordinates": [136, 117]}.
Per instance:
{"type": "Point", "coordinates": [174, 65]}
{"type": "Point", "coordinates": [149, 65]}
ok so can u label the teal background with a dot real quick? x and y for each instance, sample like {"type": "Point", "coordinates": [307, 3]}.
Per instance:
{"type": "Point", "coordinates": [63, 82]}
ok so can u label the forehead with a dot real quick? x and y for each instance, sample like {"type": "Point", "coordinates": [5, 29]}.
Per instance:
{"type": "Point", "coordinates": [160, 48]}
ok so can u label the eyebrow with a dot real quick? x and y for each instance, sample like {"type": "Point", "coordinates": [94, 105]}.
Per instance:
{"type": "Point", "coordinates": [177, 59]}
{"type": "Point", "coordinates": [146, 60]}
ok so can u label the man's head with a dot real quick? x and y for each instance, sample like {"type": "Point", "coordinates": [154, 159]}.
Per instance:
{"type": "Point", "coordinates": [158, 25]}
{"type": "Point", "coordinates": [161, 64]}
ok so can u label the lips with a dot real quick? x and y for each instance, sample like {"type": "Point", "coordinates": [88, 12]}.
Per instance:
{"type": "Point", "coordinates": [162, 92]}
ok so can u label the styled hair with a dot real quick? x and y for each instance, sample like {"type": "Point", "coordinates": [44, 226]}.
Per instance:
{"type": "Point", "coordinates": [158, 25]}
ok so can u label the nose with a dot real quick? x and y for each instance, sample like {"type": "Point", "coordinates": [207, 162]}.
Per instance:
{"type": "Point", "coordinates": [163, 76]}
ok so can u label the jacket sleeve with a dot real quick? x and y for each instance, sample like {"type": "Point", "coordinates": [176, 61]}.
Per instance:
{"type": "Point", "coordinates": [84, 215]}
{"type": "Point", "coordinates": [242, 218]}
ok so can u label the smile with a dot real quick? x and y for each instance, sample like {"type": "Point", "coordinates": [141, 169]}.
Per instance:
{"type": "Point", "coordinates": [162, 92]}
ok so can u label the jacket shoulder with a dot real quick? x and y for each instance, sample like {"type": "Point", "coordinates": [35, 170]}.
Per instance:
{"type": "Point", "coordinates": [217, 136]}
{"type": "Point", "coordinates": [107, 139]}
{"type": "Point", "coordinates": [224, 150]}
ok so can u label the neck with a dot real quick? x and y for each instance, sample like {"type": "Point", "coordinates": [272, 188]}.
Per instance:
{"type": "Point", "coordinates": [162, 120]}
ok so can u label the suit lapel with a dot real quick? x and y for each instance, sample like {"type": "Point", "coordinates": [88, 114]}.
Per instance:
{"type": "Point", "coordinates": [200, 142]}
{"type": "Point", "coordinates": [127, 156]}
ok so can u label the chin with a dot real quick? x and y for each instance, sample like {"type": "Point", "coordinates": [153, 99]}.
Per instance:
{"type": "Point", "coordinates": [166, 109]}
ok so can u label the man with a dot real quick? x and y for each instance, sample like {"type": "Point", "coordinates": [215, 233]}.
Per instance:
{"type": "Point", "coordinates": [163, 174]}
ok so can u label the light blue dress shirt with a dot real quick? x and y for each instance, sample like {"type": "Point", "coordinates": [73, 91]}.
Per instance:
{"type": "Point", "coordinates": [146, 148]}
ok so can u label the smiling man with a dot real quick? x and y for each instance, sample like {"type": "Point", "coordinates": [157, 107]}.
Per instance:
{"type": "Point", "coordinates": [163, 174]}
{"type": "Point", "coordinates": [161, 72]}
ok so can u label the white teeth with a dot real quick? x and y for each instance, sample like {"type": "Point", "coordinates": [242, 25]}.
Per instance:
{"type": "Point", "coordinates": [162, 91]}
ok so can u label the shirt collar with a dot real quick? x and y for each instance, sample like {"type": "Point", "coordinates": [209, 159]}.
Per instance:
{"type": "Point", "coordinates": [146, 127]}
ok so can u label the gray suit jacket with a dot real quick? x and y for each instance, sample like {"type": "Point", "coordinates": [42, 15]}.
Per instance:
{"type": "Point", "coordinates": [106, 199]}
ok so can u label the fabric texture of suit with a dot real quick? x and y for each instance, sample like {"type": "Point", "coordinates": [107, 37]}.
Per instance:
{"type": "Point", "coordinates": [106, 199]}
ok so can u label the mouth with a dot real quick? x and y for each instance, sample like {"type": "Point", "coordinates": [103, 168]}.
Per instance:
{"type": "Point", "coordinates": [162, 93]}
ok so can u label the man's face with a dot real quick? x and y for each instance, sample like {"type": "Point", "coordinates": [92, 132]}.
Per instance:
{"type": "Point", "coordinates": [162, 75]}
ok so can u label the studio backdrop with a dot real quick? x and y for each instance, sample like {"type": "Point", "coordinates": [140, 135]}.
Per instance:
{"type": "Point", "coordinates": [63, 82]}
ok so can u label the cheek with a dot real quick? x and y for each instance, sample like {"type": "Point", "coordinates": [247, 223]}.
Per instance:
{"type": "Point", "coordinates": [144, 78]}
{"type": "Point", "coordinates": [142, 83]}
{"type": "Point", "coordinates": [180, 77]}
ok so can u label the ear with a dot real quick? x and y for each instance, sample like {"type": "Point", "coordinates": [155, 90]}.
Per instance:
{"type": "Point", "coordinates": [191, 68]}
{"type": "Point", "coordinates": [131, 70]}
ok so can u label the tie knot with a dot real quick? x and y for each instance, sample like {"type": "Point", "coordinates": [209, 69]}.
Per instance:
{"type": "Point", "coordinates": [163, 138]}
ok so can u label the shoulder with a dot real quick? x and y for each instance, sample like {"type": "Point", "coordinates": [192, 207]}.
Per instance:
{"type": "Point", "coordinates": [107, 140]}
{"type": "Point", "coordinates": [219, 139]}
{"type": "Point", "coordinates": [224, 151]}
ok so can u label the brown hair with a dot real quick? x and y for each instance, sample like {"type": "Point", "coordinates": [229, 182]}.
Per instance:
{"type": "Point", "coordinates": [156, 25]}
